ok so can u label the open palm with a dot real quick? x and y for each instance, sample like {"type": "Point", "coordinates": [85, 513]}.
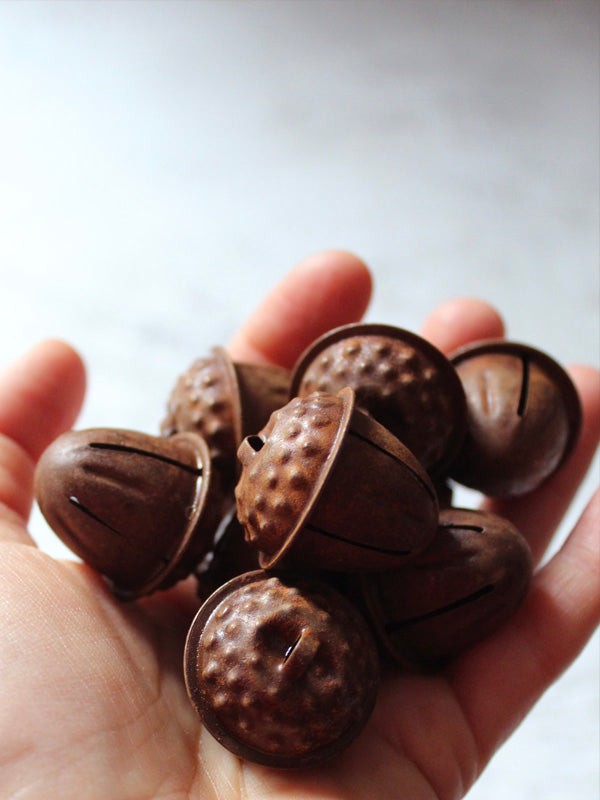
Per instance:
{"type": "Point", "coordinates": [92, 699]}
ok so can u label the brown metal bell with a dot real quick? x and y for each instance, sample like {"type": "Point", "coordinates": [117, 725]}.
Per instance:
{"type": "Point", "coordinates": [224, 401]}
{"type": "Point", "coordinates": [324, 484]}
{"type": "Point", "coordinates": [468, 581]}
{"type": "Point", "coordinates": [140, 509]}
{"type": "Point", "coordinates": [523, 417]}
{"type": "Point", "coordinates": [399, 378]}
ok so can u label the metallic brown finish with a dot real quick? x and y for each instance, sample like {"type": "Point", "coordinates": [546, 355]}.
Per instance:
{"type": "Point", "coordinates": [325, 485]}
{"type": "Point", "coordinates": [445, 492]}
{"type": "Point", "coordinates": [231, 555]}
{"type": "Point", "coordinates": [399, 378]}
{"type": "Point", "coordinates": [471, 579]}
{"type": "Point", "coordinates": [140, 509]}
{"type": "Point", "coordinates": [282, 670]}
{"type": "Point", "coordinates": [224, 401]}
{"type": "Point", "coordinates": [524, 417]}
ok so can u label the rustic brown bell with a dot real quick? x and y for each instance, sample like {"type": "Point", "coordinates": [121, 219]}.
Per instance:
{"type": "Point", "coordinates": [399, 378]}
{"type": "Point", "coordinates": [224, 401]}
{"type": "Point", "coordinates": [281, 669]}
{"type": "Point", "coordinates": [325, 485]}
{"type": "Point", "coordinates": [523, 417]}
{"type": "Point", "coordinates": [140, 509]}
{"type": "Point", "coordinates": [468, 581]}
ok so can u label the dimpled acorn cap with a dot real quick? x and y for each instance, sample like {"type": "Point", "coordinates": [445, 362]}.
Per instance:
{"type": "Point", "coordinates": [224, 401]}
{"type": "Point", "coordinates": [325, 485]}
{"type": "Point", "coordinates": [140, 509]}
{"type": "Point", "coordinates": [524, 417]}
{"type": "Point", "coordinates": [282, 670]}
{"type": "Point", "coordinates": [471, 579]}
{"type": "Point", "coordinates": [399, 378]}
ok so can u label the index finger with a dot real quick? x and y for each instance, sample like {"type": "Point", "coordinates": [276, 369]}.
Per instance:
{"type": "Point", "coordinates": [324, 291]}
{"type": "Point", "coordinates": [40, 396]}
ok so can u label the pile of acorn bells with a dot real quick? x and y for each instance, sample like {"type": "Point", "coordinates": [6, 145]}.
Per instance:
{"type": "Point", "coordinates": [314, 507]}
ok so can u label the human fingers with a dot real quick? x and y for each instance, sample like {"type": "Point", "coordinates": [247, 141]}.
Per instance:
{"type": "Point", "coordinates": [322, 292]}
{"type": "Point", "coordinates": [499, 681]}
{"type": "Point", "coordinates": [40, 396]}
{"type": "Point", "coordinates": [460, 321]}
{"type": "Point", "coordinates": [538, 513]}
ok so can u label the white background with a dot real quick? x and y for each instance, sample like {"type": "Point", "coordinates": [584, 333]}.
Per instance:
{"type": "Point", "coordinates": [163, 164]}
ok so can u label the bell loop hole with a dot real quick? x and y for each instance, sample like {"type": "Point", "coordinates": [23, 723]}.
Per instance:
{"type": "Point", "coordinates": [256, 443]}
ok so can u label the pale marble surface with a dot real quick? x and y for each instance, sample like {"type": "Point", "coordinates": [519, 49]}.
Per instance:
{"type": "Point", "coordinates": [163, 164]}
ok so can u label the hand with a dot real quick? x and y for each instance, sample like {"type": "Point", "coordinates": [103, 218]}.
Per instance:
{"type": "Point", "coordinates": [92, 700]}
